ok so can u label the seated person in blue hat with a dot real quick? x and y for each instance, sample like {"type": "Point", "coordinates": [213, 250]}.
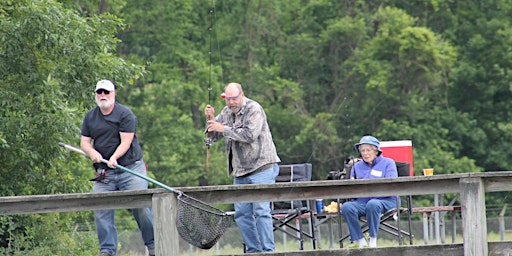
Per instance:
{"type": "Point", "coordinates": [373, 166]}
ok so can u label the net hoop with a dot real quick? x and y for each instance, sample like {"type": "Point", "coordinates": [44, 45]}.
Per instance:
{"type": "Point", "coordinates": [199, 223]}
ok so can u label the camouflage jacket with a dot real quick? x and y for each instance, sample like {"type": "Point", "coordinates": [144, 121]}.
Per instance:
{"type": "Point", "coordinates": [249, 143]}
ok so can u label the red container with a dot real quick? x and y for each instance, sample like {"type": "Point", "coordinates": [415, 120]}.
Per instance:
{"type": "Point", "coordinates": [398, 150]}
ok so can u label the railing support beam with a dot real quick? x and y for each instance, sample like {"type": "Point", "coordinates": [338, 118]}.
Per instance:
{"type": "Point", "coordinates": [165, 207]}
{"type": "Point", "coordinates": [474, 221]}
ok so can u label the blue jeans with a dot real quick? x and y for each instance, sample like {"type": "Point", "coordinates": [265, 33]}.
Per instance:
{"type": "Point", "coordinates": [254, 219]}
{"type": "Point", "coordinates": [105, 226]}
{"type": "Point", "coordinates": [373, 209]}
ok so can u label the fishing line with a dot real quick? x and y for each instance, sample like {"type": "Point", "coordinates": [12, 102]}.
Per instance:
{"type": "Point", "coordinates": [214, 37]}
{"type": "Point", "coordinates": [218, 45]}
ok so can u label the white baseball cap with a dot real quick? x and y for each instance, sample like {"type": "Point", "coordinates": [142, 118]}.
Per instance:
{"type": "Point", "coordinates": [106, 85]}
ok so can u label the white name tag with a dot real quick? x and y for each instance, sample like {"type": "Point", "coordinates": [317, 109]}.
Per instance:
{"type": "Point", "coordinates": [376, 173]}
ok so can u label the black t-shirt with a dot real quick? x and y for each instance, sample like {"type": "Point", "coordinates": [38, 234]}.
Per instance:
{"type": "Point", "coordinates": [105, 129]}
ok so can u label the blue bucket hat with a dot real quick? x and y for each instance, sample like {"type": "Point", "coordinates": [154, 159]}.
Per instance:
{"type": "Point", "coordinates": [368, 140]}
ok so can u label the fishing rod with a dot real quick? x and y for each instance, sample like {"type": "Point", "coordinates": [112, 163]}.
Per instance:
{"type": "Point", "coordinates": [208, 140]}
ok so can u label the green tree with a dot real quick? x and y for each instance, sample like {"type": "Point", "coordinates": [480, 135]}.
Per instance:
{"type": "Point", "coordinates": [480, 81]}
{"type": "Point", "coordinates": [50, 60]}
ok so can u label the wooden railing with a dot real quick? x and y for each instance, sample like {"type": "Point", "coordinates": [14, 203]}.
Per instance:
{"type": "Point", "coordinates": [471, 186]}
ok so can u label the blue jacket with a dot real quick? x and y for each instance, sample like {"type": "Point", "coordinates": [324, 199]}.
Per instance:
{"type": "Point", "coordinates": [383, 167]}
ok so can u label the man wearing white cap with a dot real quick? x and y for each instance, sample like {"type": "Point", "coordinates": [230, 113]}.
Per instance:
{"type": "Point", "coordinates": [108, 132]}
{"type": "Point", "coordinates": [373, 166]}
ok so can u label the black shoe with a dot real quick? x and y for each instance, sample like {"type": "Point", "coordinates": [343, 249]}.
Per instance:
{"type": "Point", "coordinates": [105, 254]}
{"type": "Point", "coordinates": [151, 251]}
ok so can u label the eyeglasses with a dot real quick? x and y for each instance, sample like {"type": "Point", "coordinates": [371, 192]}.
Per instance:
{"type": "Point", "coordinates": [366, 150]}
{"type": "Point", "coordinates": [224, 96]}
{"type": "Point", "coordinates": [100, 91]}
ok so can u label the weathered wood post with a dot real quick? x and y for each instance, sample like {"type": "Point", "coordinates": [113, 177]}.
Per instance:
{"type": "Point", "coordinates": [474, 222]}
{"type": "Point", "coordinates": [425, 228]}
{"type": "Point", "coordinates": [501, 219]}
{"type": "Point", "coordinates": [454, 226]}
{"type": "Point", "coordinates": [436, 220]}
{"type": "Point", "coordinates": [165, 209]}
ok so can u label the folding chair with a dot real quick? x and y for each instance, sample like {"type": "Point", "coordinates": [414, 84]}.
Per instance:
{"type": "Point", "coordinates": [394, 214]}
{"type": "Point", "coordinates": [288, 217]}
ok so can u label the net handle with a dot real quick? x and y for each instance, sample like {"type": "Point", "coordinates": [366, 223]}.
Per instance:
{"type": "Point", "coordinates": [158, 183]}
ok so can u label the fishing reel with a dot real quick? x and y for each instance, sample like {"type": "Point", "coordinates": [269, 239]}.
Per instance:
{"type": "Point", "coordinates": [101, 176]}
{"type": "Point", "coordinates": [208, 141]}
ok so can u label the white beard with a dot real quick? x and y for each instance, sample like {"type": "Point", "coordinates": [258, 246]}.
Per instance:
{"type": "Point", "coordinates": [234, 111]}
{"type": "Point", "coordinates": [105, 104]}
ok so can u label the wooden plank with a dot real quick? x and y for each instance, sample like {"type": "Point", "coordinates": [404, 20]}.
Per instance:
{"type": "Point", "coordinates": [165, 213]}
{"type": "Point", "coordinates": [416, 185]}
{"type": "Point", "coordinates": [495, 248]}
{"type": "Point", "coordinates": [228, 194]}
{"type": "Point", "coordinates": [436, 209]}
{"type": "Point", "coordinates": [502, 248]}
{"type": "Point", "coordinates": [76, 202]}
{"type": "Point", "coordinates": [499, 183]}
{"type": "Point", "coordinates": [474, 221]}
{"type": "Point", "coordinates": [324, 189]}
